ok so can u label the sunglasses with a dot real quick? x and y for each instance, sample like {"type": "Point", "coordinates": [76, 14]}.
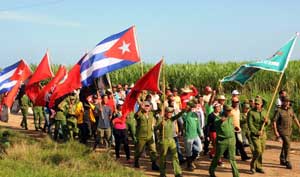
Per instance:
{"type": "Point", "coordinates": [235, 101]}
{"type": "Point", "coordinates": [257, 104]}
{"type": "Point", "coordinates": [147, 105]}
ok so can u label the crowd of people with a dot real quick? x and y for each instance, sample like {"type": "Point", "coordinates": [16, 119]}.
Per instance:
{"type": "Point", "coordinates": [208, 123]}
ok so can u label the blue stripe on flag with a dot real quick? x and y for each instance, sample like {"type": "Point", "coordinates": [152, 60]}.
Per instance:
{"type": "Point", "coordinates": [9, 68]}
{"type": "Point", "coordinates": [101, 71]}
{"type": "Point", "coordinates": [5, 76]}
{"type": "Point", "coordinates": [113, 37]}
{"type": "Point", "coordinates": [88, 63]}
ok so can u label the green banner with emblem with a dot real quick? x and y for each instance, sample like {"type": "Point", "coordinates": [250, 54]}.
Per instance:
{"type": "Point", "coordinates": [277, 63]}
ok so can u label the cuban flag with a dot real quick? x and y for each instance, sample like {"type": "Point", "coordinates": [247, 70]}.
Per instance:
{"type": "Point", "coordinates": [6, 81]}
{"type": "Point", "coordinates": [114, 52]}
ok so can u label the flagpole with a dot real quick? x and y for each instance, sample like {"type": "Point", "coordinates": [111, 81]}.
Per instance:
{"type": "Point", "coordinates": [273, 98]}
{"type": "Point", "coordinates": [142, 68]}
{"type": "Point", "coordinates": [98, 96]}
{"type": "Point", "coordinates": [108, 78]}
{"type": "Point", "coordinates": [220, 88]}
{"type": "Point", "coordinates": [141, 60]}
{"type": "Point", "coordinates": [164, 97]}
{"type": "Point", "coordinates": [279, 81]}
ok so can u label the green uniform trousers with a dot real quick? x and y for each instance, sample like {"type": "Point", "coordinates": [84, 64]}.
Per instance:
{"type": "Point", "coordinates": [24, 119]}
{"type": "Point", "coordinates": [222, 146]}
{"type": "Point", "coordinates": [72, 127]}
{"type": "Point", "coordinates": [140, 145]}
{"type": "Point", "coordinates": [259, 144]}
{"type": "Point", "coordinates": [61, 128]}
{"type": "Point", "coordinates": [38, 116]}
{"type": "Point", "coordinates": [285, 149]}
{"type": "Point", "coordinates": [247, 134]}
{"type": "Point", "coordinates": [165, 146]}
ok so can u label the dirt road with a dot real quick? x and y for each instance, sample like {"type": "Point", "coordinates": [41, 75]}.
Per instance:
{"type": "Point", "coordinates": [270, 158]}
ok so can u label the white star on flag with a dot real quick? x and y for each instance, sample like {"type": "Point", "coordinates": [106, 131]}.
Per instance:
{"type": "Point", "coordinates": [124, 47]}
{"type": "Point", "coordinates": [20, 72]}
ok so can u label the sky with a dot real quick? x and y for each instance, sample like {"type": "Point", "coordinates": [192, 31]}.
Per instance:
{"type": "Point", "coordinates": [181, 31]}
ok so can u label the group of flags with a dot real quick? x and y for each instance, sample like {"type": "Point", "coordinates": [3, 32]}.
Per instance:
{"type": "Point", "coordinates": [113, 53]}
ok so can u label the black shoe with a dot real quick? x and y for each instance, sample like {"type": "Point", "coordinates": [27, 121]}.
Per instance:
{"type": "Point", "coordinates": [136, 164]}
{"type": "Point", "coordinates": [246, 158]}
{"type": "Point", "coordinates": [181, 162]}
{"type": "Point", "coordinates": [260, 171]}
{"type": "Point", "coordinates": [283, 163]}
{"type": "Point", "coordinates": [252, 171]}
{"type": "Point", "coordinates": [179, 175]}
{"type": "Point", "coordinates": [288, 165]}
{"type": "Point", "coordinates": [212, 175]}
{"type": "Point", "coordinates": [189, 164]}
{"type": "Point", "coordinates": [155, 167]}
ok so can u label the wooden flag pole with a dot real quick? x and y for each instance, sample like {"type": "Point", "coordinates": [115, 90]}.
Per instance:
{"type": "Point", "coordinates": [110, 86]}
{"type": "Point", "coordinates": [98, 95]}
{"type": "Point", "coordinates": [273, 98]}
{"type": "Point", "coordinates": [279, 81]}
{"type": "Point", "coordinates": [164, 97]}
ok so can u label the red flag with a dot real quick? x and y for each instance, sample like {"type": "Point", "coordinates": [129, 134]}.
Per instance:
{"type": "Point", "coordinates": [150, 81]}
{"type": "Point", "coordinates": [42, 72]}
{"type": "Point", "coordinates": [71, 83]}
{"type": "Point", "coordinates": [41, 98]}
{"type": "Point", "coordinates": [21, 74]}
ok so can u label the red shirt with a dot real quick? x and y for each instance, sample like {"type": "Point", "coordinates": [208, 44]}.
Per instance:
{"type": "Point", "coordinates": [186, 97]}
{"type": "Point", "coordinates": [111, 104]}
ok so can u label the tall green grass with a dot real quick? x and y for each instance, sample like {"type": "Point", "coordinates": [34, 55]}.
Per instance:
{"type": "Point", "coordinates": [45, 158]}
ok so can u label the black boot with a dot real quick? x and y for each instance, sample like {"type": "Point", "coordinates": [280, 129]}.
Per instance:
{"type": "Point", "coordinates": [288, 165]}
{"type": "Point", "coordinates": [155, 167]}
{"type": "Point", "coordinates": [189, 164]}
{"type": "Point", "coordinates": [283, 163]}
{"type": "Point", "coordinates": [136, 163]}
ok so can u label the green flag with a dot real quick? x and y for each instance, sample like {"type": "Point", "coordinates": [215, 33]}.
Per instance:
{"type": "Point", "coordinates": [278, 62]}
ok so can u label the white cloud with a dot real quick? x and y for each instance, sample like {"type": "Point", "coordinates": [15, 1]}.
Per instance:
{"type": "Point", "coordinates": [36, 19]}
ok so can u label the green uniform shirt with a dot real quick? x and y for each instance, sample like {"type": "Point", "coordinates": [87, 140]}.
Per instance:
{"type": "Point", "coordinates": [168, 127]}
{"type": "Point", "coordinates": [224, 129]}
{"type": "Point", "coordinates": [144, 125]}
{"type": "Point", "coordinates": [243, 122]}
{"type": "Point", "coordinates": [191, 125]}
{"type": "Point", "coordinates": [255, 121]}
{"type": "Point", "coordinates": [25, 102]}
{"type": "Point", "coordinates": [284, 120]}
{"type": "Point", "coordinates": [208, 110]}
{"type": "Point", "coordinates": [66, 107]}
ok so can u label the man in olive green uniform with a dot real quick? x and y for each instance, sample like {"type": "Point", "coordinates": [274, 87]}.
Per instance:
{"type": "Point", "coordinates": [145, 122]}
{"type": "Point", "coordinates": [167, 141]}
{"type": "Point", "coordinates": [225, 141]}
{"type": "Point", "coordinates": [25, 103]}
{"type": "Point", "coordinates": [60, 120]}
{"type": "Point", "coordinates": [244, 123]}
{"type": "Point", "coordinates": [38, 116]}
{"type": "Point", "coordinates": [70, 111]}
{"type": "Point", "coordinates": [130, 125]}
{"type": "Point", "coordinates": [68, 106]}
{"type": "Point", "coordinates": [282, 123]}
{"type": "Point", "coordinates": [256, 118]}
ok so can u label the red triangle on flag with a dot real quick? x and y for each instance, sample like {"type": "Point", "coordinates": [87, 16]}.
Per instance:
{"type": "Point", "coordinates": [125, 48]}
{"type": "Point", "coordinates": [22, 72]}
